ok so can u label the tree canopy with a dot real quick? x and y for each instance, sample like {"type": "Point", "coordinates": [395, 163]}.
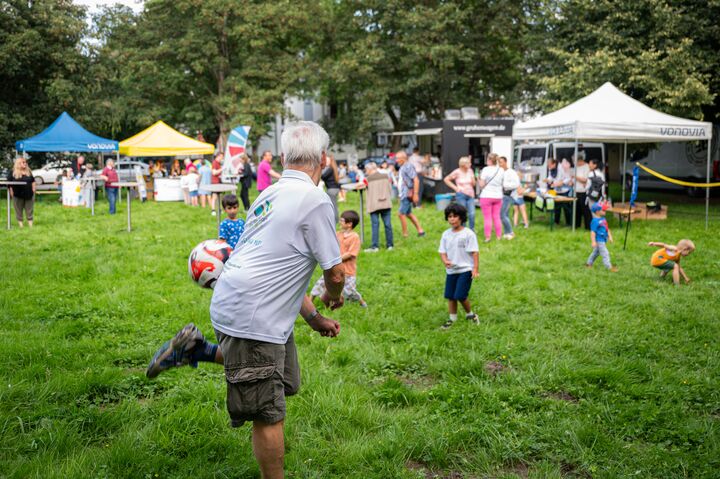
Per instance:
{"type": "Point", "coordinates": [206, 66]}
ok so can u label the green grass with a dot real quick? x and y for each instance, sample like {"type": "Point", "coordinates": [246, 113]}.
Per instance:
{"type": "Point", "coordinates": [594, 374]}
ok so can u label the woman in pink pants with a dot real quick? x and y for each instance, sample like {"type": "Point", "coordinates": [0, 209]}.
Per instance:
{"type": "Point", "coordinates": [491, 179]}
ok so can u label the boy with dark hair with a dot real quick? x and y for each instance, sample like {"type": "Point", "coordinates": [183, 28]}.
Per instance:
{"type": "Point", "coordinates": [459, 253]}
{"type": "Point", "coordinates": [349, 250]}
{"type": "Point", "coordinates": [232, 227]}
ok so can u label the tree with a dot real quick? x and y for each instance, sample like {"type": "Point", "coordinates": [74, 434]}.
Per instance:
{"type": "Point", "coordinates": [211, 65]}
{"type": "Point", "coordinates": [41, 65]}
{"type": "Point", "coordinates": [411, 60]}
{"type": "Point", "coordinates": [641, 46]}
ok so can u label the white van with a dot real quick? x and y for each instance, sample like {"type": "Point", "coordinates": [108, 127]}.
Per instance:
{"type": "Point", "coordinates": [679, 160]}
{"type": "Point", "coordinates": [534, 156]}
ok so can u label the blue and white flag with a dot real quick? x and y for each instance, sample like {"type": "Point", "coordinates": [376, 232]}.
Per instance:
{"type": "Point", "coordinates": [633, 194]}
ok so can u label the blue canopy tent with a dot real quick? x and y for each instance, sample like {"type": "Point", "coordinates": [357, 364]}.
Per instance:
{"type": "Point", "coordinates": [65, 134]}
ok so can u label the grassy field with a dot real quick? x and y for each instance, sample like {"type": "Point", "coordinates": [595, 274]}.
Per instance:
{"type": "Point", "coordinates": [571, 373]}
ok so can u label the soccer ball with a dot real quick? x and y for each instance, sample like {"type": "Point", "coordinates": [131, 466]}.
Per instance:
{"type": "Point", "coordinates": [206, 262]}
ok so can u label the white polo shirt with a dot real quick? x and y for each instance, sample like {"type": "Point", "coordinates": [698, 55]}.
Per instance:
{"type": "Point", "coordinates": [290, 228]}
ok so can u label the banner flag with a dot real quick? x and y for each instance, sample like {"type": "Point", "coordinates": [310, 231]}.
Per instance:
{"type": "Point", "coordinates": [236, 143]}
{"type": "Point", "coordinates": [633, 195]}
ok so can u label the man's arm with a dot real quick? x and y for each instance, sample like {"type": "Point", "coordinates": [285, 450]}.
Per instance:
{"type": "Point", "coordinates": [475, 272]}
{"type": "Point", "coordinates": [593, 242]}
{"type": "Point", "coordinates": [325, 326]}
{"type": "Point", "coordinates": [274, 174]}
{"type": "Point", "coordinates": [416, 189]}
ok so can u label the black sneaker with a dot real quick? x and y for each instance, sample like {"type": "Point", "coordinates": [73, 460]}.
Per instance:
{"type": "Point", "coordinates": [447, 324]}
{"type": "Point", "coordinates": [176, 352]}
{"type": "Point", "coordinates": [473, 317]}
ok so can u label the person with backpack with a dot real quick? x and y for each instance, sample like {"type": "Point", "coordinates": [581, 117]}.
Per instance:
{"type": "Point", "coordinates": [596, 183]}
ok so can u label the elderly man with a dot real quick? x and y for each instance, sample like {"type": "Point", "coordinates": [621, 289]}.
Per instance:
{"type": "Point", "coordinates": [379, 204]}
{"type": "Point", "coordinates": [289, 230]}
{"type": "Point", "coordinates": [409, 191]}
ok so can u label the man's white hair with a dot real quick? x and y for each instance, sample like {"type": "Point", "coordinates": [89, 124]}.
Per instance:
{"type": "Point", "coordinates": [371, 166]}
{"type": "Point", "coordinates": [303, 144]}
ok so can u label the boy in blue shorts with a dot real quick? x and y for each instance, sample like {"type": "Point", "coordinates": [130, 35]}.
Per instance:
{"type": "Point", "coordinates": [599, 235]}
{"type": "Point", "coordinates": [232, 227]}
{"type": "Point", "coordinates": [459, 253]}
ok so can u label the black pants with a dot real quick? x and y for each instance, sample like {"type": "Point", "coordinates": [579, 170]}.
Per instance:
{"type": "Point", "coordinates": [582, 211]}
{"type": "Point", "coordinates": [244, 188]}
{"type": "Point", "coordinates": [565, 206]}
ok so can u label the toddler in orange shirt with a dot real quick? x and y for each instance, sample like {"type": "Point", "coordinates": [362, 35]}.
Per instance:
{"type": "Point", "coordinates": [667, 258]}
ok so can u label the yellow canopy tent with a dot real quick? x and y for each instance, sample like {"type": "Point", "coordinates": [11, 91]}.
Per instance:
{"type": "Point", "coordinates": [162, 140]}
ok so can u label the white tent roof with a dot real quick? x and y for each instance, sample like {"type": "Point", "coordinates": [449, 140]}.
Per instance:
{"type": "Point", "coordinates": [609, 115]}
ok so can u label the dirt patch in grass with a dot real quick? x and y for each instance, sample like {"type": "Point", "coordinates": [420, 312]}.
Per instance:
{"type": "Point", "coordinates": [418, 381]}
{"type": "Point", "coordinates": [429, 473]}
{"type": "Point", "coordinates": [560, 396]}
{"type": "Point", "coordinates": [520, 469]}
{"type": "Point", "coordinates": [493, 368]}
{"type": "Point", "coordinates": [572, 471]}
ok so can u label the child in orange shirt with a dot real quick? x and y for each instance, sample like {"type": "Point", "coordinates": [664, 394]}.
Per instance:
{"type": "Point", "coordinates": [667, 258]}
{"type": "Point", "coordinates": [349, 250]}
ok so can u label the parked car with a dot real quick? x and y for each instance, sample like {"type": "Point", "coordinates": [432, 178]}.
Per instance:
{"type": "Point", "coordinates": [126, 169]}
{"type": "Point", "coordinates": [49, 173]}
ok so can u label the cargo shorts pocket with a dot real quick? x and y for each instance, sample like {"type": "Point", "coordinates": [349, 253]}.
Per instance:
{"type": "Point", "coordinates": [254, 392]}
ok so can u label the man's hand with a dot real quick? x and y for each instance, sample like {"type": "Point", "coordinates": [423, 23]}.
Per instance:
{"type": "Point", "coordinates": [448, 263]}
{"type": "Point", "coordinates": [325, 326]}
{"type": "Point", "coordinates": [332, 303]}
{"type": "Point", "coordinates": [475, 274]}
{"type": "Point", "coordinates": [415, 197]}
{"type": "Point", "coordinates": [594, 244]}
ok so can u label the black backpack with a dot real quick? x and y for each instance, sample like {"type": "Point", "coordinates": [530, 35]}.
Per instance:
{"type": "Point", "coordinates": [595, 189]}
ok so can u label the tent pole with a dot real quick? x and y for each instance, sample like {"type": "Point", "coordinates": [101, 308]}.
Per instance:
{"type": "Point", "coordinates": [707, 190]}
{"type": "Point", "coordinates": [622, 173]}
{"type": "Point", "coordinates": [574, 203]}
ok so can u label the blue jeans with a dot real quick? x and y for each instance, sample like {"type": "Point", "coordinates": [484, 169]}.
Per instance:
{"type": "Point", "coordinates": [375, 220]}
{"type": "Point", "coordinates": [112, 195]}
{"type": "Point", "coordinates": [469, 203]}
{"type": "Point", "coordinates": [507, 203]}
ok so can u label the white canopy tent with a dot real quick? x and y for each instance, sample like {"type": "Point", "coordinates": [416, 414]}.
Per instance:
{"type": "Point", "coordinates": [609, 115]}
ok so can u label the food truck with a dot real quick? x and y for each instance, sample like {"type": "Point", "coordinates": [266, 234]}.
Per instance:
{"type": "Point", "coordinates": [448, 140]}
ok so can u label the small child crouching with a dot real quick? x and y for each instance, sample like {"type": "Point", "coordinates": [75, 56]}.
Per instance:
{"type": "Point", "coordinates": [667, 258]}
{"type": "Point", "coordinates": [459, 253]}
{"type": "Point", "coordinates": [349, 250]}
{"type": "Point", "coordinates": [599, 235]}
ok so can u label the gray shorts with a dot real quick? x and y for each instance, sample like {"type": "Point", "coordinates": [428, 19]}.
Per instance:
{"type": "Point", "coordinates": [259, 375]}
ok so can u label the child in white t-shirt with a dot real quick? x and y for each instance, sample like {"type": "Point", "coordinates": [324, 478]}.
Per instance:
{"type": "Point", "coordinates": [184, 186]}
{"type": "Point", "coordinates": [459, 253]}
{"type": "Point", "coordinates": [193, 180]}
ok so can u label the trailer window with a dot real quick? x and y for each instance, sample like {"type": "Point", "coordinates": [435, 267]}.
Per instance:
{"type": "Point", "coordinates": [532, 156]}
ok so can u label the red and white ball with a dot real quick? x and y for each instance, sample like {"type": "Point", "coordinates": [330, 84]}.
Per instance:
{"type": "Point", "coordinates": [206, 262]}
